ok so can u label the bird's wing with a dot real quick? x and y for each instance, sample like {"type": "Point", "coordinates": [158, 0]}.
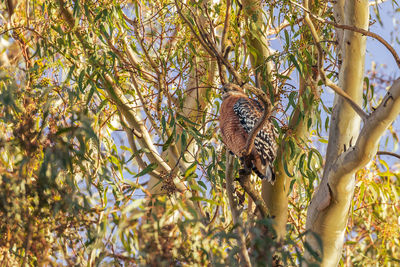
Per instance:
{"type": "Point", "coordinates": [249, 112]}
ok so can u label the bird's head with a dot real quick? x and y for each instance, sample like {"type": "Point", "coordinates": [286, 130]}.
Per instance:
{"type": "Point", "coordinates": [231, 89]}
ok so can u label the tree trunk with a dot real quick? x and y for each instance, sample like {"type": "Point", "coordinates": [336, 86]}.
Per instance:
{"type": "Point", "coordinates": [328, 212]}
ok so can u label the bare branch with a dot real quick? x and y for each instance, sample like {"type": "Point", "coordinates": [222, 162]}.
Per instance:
{"type": "Point", "coordinates": [368, 140]}
{"type": "Point", "coordinates": [205, 46]}
{"type": "Point", "coordinates": [388, 154]}
{"type": "Point", "coordinates": [134, 61]}
{"type": "Point", "coordinates": [370, 34]}
{"type": "Point", "coordinates": [145, 51]}
{"type": "Point", "coordinates": [343, 94]}
{"type": "Point", "coordinates": [135, 150]}
{"type": "Point", "coordinates": [281, 26]}
{"type": "Point", "coordinates": [339, 183]}
{"type": "Point", "coordinates": [208, 45]}
{"type": "Point", "coordinates": [224, 49]}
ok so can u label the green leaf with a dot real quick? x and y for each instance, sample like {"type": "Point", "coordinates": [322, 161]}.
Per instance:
{"type": "Point", "coordinates": [287, 39]}
{"type": "Point", "coordinates": [320, 160]}
{"type": "Point", "coordinates": [292, 148]}
{"type": "Point", "coordinates": [169, 141]}
{"type": "Point", "coordinates": [322, 140]}
{"type": "Point", "coordinates": [192, 168]}
{"type": "Point", "coordinates": [148, 169]}
{"type": "Point", "coordinates": [197, 198]}
{"type": "Point", "coordinates": [285, 167]}
{"type": "Point", "coordinates": [202, 184]}
{"type": "Point", "coordinates": [296, 64]}
{"type": "Point", "coordinates": [89, 97]}
{"type": "Point", "coordinates": [103, 30]}
{"type": "Point", "coordinates": [301, 165]}
{"type": "Point", "coordinates": [292, 182]}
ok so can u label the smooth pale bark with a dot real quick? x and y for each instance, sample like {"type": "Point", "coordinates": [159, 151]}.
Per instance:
{"type": "Point", "coordinates": [329, 222]}
{"type": "Point", "coordinates": [328, 212]}
{"type": "Point", "coordinates": [345, 122]}
{"type": "Point", "coordinates": [276, 196]}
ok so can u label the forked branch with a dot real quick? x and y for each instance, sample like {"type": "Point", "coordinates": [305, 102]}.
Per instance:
{"type": "Point", "coordinates": [207, 42]}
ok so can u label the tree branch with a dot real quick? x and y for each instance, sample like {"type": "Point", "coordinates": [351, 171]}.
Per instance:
{"type": "Point", "coordinates": [388, 154]}
{"type": "Point", "coordinates": [115, 94]}
{"type": "Point", "coordinates": [245, 183]}
{"type": "Point", "coordinates": [327, 216]}
{"type": "Point", "coordinates": [256, 32]}
{"type": "Point", "coordinates": [370, 135]}
{"type": "Point", "coordinates": [243, 253]}
{"type": "Point", "coordinates": [135, 150]}
{"type": "Point", "coordinates": [224, 49]}
{"type": "Point", "coordinates": [281, 26]}
{"type": "Point", "coordinates": [343, 94]}
{"type": "Point", "coordinates": [208, 45]}
{"type": "Point", "coordinates": [226, 25]}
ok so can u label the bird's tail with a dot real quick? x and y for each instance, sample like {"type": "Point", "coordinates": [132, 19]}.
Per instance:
{"type": "Point", "coordinates": [263, 171]}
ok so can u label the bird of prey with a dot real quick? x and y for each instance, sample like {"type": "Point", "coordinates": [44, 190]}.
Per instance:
{"type": "Point", "coordinates": [238, 116]}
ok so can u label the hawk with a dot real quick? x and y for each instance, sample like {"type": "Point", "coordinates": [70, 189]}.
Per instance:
{"type": "Point", "coordinates": [238, 116]}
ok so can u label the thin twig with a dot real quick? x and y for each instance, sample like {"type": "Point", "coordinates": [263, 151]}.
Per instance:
{"type": "Point", "coordinates": [388, 154]}
{"type": "Point", "coordinates": [280, 27]}
{"type": "Point", "coordinates": [207, 45]}
{"type": "Point", "coordinates": [136, 152]}
{"type": "Point", "coordinates": [370, 34]}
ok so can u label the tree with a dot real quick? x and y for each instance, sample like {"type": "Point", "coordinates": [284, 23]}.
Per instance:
{"type": "Point", "coordinates": [111, 152]}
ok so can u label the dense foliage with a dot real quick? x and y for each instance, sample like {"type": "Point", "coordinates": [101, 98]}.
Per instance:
{"type": "Point", "coordinates": [110, 150]}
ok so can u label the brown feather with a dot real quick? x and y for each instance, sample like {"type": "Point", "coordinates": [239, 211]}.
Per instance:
{"type": "Point", "coordinates": [233, 134]}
